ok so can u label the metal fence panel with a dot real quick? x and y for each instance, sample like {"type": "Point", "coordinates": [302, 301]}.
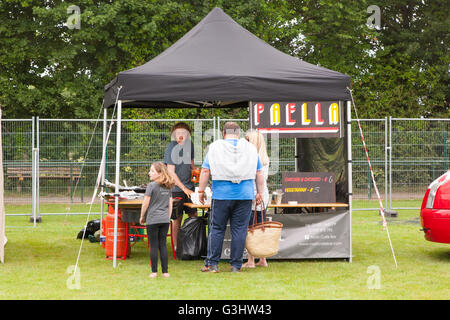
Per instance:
{"type": "Point", "coordinates": [69, 157]}
{"type": "Point", "coordinates": [375, 136]}
{"type": "Point", "coordinates": [419, 155]}
{"type": "Point", "coordinates": [74, 149]}
{"type": "Point", "coordinates": [68, 171]}
{"type": "Point", "coordinates": [144, 142]}
{"type": "Point", "coordinates": [17, 143]}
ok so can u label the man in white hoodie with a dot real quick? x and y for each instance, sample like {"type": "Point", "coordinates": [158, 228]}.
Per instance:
{"type": "Point", "coordinates": [234, 166]}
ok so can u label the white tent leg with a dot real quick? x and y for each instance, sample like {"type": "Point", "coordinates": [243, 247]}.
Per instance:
{"type": "Point", "coordinates": [349, 169]}
{"type": "Point", "coordinates": [103, 167]}
{"type": "Point", "coordinates": [116, 196]}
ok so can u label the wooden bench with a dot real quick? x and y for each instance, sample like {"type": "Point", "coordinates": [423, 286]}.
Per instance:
{"type": "Point", "coordinates": [71, 173]}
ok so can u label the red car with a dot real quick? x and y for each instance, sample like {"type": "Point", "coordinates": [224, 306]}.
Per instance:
{"type": "Point", "coordinates": [435, 211]}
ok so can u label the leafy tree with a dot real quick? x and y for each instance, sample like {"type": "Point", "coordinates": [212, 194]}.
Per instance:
{"type": "Point", "coordinates": [410, 73]}
{"type": "Point", "coordinates": [399, 69]}
{"type": "Point", "coordinates": [49, 70]}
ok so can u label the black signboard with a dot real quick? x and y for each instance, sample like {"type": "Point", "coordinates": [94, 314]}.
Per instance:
{"type": "Point", "coordinates": [303, 119]}
{"type": "Point", "coordinates": [308, 187]}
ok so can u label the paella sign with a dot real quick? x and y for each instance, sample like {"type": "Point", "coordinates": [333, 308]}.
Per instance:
{"type": "Point", "coordinates": [298, 119]}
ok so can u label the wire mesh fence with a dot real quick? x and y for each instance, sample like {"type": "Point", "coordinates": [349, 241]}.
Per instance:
{"type": "Point", "coordinates": [375, 137]}
{"type": "Point", "coordinates": [17, 140]}
{"type": "Point", "coordinates": [144, 142]}
{"type": "Point", "coordinates": [419, 155]}
{"type": "Point", "coordinates": [69, 157]}
{"type": "Point", "coordinates": [70, 152]}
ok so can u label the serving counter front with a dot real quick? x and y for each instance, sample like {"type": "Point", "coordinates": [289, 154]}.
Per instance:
{"type": "Point", "coordinates": [324, 233]}
{"type": "Point", "coordinates": [313, 235]}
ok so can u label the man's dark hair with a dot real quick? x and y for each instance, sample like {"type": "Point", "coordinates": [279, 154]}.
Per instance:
{"type": "Point", "coordinates": [231, 128]}
{"type": "Point", "coordinates": [180, 125]}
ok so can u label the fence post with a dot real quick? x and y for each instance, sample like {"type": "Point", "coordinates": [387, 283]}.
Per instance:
{"type": "Point", "coordinates": [390, 163]}
{"type": "Point", "coordinates": [35, 216]}
{"type": "Point", "coordinates": [70, 180]}
{"type": "Point", "coordinates": [445, 151]}
{"type": "Point", "coordinates": [33, 178]}
{"type": "Point", "coordinates": [218, 129]}
{"type": "Point", "coordinates": [214, 129]}
{"type": "Point", "coordinates": [385, 163]}
{"type": "Point", "coordinates": [38, 166]}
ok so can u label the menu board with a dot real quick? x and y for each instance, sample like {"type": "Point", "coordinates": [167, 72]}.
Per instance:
{"type": "Point", "coordinates": [308, 187]}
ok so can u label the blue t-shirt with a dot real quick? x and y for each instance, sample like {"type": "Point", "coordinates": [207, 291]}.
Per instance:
{"type": "Point", "coordinates": [227, 190]}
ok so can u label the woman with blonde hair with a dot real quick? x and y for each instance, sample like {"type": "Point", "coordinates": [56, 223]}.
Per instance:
{"type": "Point", "coordinates": [256, 138]}
{"type": "Point", "coordinates": [155, 214]}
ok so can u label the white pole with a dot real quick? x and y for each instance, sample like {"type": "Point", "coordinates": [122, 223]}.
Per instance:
{"type": "Point", "coordinates": [38, 191]}
{"type": "Point", "coordinates": [33, 172]}
{"type": "Point", "coordinates": [214, 129]}
{"type": "Point", "coordinates": [218, 128]}
{"type": "Point", "coordinates": [34, 185]}
{"type": "Point", "coordinates": [116, 196]}
{"type": "Point", "coordinates": [102, 168]}
{"type": "Point", "coordinates": [385, 163]}
{"type": "Point", "coordinates": [35, 214]}
{"type": "Point", "coordinates": [390, 163]}
{"type": "Point", "coordinates": [2, 207]}
{"type": "Point", "coordinates": [349, 168]}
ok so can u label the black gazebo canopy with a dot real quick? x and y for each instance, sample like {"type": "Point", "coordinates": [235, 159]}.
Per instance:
{"type": "Point", "coordinates": [219, 63]}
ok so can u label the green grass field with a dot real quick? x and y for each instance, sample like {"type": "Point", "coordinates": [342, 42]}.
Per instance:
{"type": "Point", "coordinates": [37, 261]}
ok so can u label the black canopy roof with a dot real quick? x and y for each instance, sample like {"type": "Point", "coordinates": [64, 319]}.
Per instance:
{"type": "Point", "coordinates": [219, 63]}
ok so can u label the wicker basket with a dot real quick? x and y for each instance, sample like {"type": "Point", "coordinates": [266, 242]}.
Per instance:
{"type": "Point", "coordinates": [263, 238]}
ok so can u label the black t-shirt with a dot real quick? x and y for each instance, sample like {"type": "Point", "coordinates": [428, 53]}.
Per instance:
{"type": "Point", "coordinates": [174, 155]}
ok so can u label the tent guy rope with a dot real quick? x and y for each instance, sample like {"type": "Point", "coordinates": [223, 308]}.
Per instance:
{"type": "Point", "coordinates": [373, 178]}
{"type": "Point", "coordinates": [99, 176]}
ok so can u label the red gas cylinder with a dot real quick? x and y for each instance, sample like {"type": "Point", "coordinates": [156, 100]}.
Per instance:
{"type": "Point", "coordinates": [123, 250]}
{"type": "Point", "coordinates": [195, 178]}
{"type": "Point", "coordinates": [103, 237]}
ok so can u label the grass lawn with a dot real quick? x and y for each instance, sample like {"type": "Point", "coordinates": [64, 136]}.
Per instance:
{"type": "Point", "coordinates": [37, 260]}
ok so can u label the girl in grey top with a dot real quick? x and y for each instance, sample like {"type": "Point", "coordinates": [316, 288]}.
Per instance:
{"type": "Point", "coordinates": [155, 214]}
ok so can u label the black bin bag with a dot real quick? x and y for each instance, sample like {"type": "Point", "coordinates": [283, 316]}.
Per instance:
{"type": "Point", "coordinates": [91, 227]}
{"type": "Point", "coordinates": [191, 240]}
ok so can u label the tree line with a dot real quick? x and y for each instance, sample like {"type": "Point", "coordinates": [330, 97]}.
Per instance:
{"type": "Point", "coordinates": [56, 57]}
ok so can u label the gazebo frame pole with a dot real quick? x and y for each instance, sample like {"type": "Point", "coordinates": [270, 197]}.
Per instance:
{"type": "Point", "coordinates": [103, 166]}
{"type": "Point", "coordinates": [349, 167]}
{"type": "Point", "coordinates": [116, 193]}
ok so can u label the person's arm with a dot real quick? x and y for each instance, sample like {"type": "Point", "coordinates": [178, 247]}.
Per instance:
{"type": "Point", "coordinates": [204, 177]}
{"type": "Point", "coordinates": [193, 167]}
{"type": "Point", "coordinates": [144, 208]}
{"type": "Point", "coordinates": [178, 183]}
{"type": "Point", "coordinates": [259, 186]}
{"type": "Point", "coordinates": [170, 207]}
